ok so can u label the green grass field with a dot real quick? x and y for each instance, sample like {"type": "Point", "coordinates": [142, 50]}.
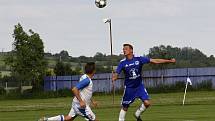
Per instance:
{"type": "Point", "coordinates": [200, 106]}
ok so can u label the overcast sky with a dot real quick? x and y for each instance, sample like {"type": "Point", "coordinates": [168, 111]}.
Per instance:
{"type": "Point", "coordinates": [77, 26]}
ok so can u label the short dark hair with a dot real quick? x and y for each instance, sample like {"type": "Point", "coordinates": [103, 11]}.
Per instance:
{"type": "Point", "coordinates": [90, 68]}
{"type": "Point", "coordinates": [129, 45]}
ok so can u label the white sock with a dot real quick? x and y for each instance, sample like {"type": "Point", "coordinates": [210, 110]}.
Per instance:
{"type": "Point", "coordinates": [122, 115]}
{"type": "Point", "coordinates": [56, 118]}
{"type": "Point", "coordinates": [140, 110]}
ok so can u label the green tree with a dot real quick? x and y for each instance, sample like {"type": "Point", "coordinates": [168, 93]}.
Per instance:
{"type": "Point", "coordinates": [63, 55]}
{"type": "Point", "coordinates": [63, 69]}
{"type": "Point", "coordinates": [99, 56]}
{"type": "Point", "coordinates": [186, 57]}
{"type": "Point", "coordinates": [59, 69]}
{"type": "Point", "coordinates": [68, 70]}
{"type": "Point", "coordinates": [77, 71]}
{"type": "Point", "coordinates": [27, 57]}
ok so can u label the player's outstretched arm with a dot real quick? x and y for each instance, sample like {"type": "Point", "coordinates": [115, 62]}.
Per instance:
{"type": "Point", "coordinates": [77, 95]}
{"type": "Point", "coordinates": [161, 61]}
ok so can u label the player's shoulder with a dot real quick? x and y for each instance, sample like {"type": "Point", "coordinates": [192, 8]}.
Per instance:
{"type": "Point", "coordinates": [123, 60]}
{"type": "Point", "coordinates": [137, 57]}
{"type": "Point", "coordinates": [83, 77]}
{"type": "Point", "coordinates": [141, 57]}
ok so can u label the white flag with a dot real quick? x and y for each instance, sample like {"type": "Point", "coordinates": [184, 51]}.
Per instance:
{"type": "Point", "coordinates": [189, 81]}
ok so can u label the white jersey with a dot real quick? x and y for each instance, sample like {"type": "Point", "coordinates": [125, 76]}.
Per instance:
{"type": "Point", "coordinates": [85, 87]}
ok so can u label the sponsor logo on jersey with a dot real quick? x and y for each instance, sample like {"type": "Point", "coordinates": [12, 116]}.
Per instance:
{"type": "Point", "coordinates": [131, 64]}
{"type": "Point", "coordinates": [134, 73]}
{"type": "Point", "coordinates": [137, 62]}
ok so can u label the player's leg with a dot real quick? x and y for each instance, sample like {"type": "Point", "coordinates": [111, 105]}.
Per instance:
{"type": "Point", "coordinates": [127, 99]}
{"type": "Point", "coordinates": [143, 95]}
{"type": "Point", "coordinates": [142, 108]}
{"type": "Point", "coordinates": [54, 118]}
{"type": "Point", "coordinates": [122, 113]}
{"type": "Point", "coordinates": [147, 103]}
{"type": "Point", "coordinates": [57, 118]}
{"type": "Point", "coordinates": [70, 117]}
{"type": "Point", "coordinates": [72, 113]}
{"type": "Point", "coordinates": [88, 114]}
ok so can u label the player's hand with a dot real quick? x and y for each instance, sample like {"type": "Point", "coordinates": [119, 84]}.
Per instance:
{"type": "Point", "coordinates": [114, 76]}
{"type": "Point", "coordinates": [94, 104]}
{"type": "Point", "coordinates": [173, 60]}
{"type": "Point", "coordinates": [82, 104]}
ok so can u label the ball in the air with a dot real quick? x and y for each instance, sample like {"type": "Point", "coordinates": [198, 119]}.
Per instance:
{"type": "Point", "coordinates": [100, 3]}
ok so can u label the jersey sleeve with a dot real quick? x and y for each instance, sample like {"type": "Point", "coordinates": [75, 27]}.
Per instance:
{"type": "Point", "coordinates": [119, 68]}
{"type": "Point", "coordinates": [82, 84]}
{"type": "Point", "coordinates": [144, 60]}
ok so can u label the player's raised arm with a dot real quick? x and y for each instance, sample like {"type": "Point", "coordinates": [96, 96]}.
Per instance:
{"type": "Point", "coordinates": [161, 61]}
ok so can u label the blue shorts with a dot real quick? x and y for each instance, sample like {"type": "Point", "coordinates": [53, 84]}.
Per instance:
{"type": "Point", "coordinates": [130, 94]}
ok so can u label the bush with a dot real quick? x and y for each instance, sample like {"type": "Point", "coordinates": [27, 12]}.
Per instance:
{"type": "Point", "coordinates": [178, 86]}
{"type": "Point", "coordinates": [205, 85]}
{"type": "Point", "coordinates": [29, 94]}
{"type": "Point", "coordinates": [2, 91]}
{"type": "Point", "coordinates": [46, 94]}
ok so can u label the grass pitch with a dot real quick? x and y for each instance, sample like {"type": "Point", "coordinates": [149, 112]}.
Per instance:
{"type": "Point", "coordinates": [200, 106]}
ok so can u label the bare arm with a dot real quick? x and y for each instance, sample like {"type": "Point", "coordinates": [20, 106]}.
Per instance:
{"type": "Point", "coordinates": [162, 61]}
{"type": "Point", "coordinates": [94, 103]}
{"type": "Point", "coordinates": [114, 76]}
{"type": "Point", "coordinates": [76, 92]}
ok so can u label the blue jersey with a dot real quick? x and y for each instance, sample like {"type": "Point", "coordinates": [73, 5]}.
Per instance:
{"type": "Point", "coordinates": [132, 70]}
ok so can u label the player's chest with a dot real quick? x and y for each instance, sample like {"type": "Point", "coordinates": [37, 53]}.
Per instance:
{"type": "Point", "coordinates": [131, 66]}
{"type": "Point", "coordinates": [89, 87]}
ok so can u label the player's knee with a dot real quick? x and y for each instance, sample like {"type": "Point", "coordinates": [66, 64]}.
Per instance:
{"type": "Point", "coordinates": [68, 118]}
{"type": "Point", "coordinates": [147, 104]}
{"type": "Point", "coordinates": [125, 108]}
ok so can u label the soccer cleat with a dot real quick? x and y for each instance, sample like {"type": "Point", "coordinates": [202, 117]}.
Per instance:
{"type": "Point", "coordinates": [138, 118]}
{"type": "Point", "coordinates": [43, 119]}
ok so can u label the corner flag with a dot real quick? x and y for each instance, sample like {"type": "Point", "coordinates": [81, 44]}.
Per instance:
{"type": "Point", "coordinates": [189, 81]}
{"type": "Point", "coordinates": [185, 91]}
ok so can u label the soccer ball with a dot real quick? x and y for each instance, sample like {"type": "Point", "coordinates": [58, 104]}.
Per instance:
{"type": "Point", "coordinates": [100, 3]}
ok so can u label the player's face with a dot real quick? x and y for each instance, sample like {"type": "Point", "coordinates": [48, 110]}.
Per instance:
{"type": "Point", "coordinates": [127, 50]}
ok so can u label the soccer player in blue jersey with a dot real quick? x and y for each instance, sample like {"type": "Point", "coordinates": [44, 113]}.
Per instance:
{"type": "Point", "coordinates": [134, 87]}
{"type": "Point", "coordinates": [81, 102]}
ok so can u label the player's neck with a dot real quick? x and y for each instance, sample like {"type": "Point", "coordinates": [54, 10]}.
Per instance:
{"type": "Point", "coordinates": [129, 57]}
{"type": "Point", "coordinates": [90, 75]}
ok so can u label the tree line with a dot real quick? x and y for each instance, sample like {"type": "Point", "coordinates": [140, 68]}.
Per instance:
{"type": "Point", "coordinates": [29, 63]}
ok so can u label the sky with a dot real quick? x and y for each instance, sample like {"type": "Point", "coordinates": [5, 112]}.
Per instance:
{"type": "Point", "coordinates": [77, 26]}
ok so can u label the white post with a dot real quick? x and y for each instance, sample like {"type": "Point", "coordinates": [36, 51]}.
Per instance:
{"type": "Point", "coordinates": [108, 20]}
{"type": "Point", "coordinates": [6, 87]}
{"type": "Point", "coordinates": [185, 92]}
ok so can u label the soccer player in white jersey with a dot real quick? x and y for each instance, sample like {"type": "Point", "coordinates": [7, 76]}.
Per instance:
{"type": "Point", "coordinates": [134, 87]}
{"type": "Point", "coordinates": [81, 103]}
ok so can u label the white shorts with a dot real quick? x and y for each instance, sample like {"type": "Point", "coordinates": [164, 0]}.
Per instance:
{"type": "Point", "coordinates": [86, 113]}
